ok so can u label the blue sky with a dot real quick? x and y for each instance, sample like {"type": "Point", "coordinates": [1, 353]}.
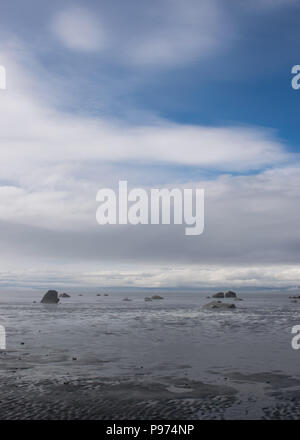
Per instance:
{"type": "Point", "coordinates": [193, 94]}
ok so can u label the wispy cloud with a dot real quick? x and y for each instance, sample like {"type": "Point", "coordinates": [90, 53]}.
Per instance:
{"type": "Point", "coordinates": [78, 29]}
{"type": "Point", "coordinates": [166, 33]}
{"type": "Point", "coordinates": [46, 135]}
{"type": "Point", "coordinates": [177, 33]}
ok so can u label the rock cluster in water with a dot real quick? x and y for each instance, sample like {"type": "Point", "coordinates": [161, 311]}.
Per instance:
{"type": "Point", "coordinates": [219, 295]}
{"type": "Point", "coordinates": [229, 294]}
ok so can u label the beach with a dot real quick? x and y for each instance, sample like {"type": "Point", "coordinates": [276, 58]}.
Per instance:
{"type": "Point", "coordinates": [99, 357]}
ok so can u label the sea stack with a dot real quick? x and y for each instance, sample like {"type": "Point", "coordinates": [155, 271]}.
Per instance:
{"type": "Point", "coordinates": [218, 295]}
{"type": "Point", "coordinates": [51, 297]}
{"type": "Point", "coordinates": [230, 294]}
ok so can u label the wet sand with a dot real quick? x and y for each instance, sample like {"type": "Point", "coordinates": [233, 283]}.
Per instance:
{"type": "Point", "coordinates": [166, 398]}
{"type": "Point", "coordinates": [103, 358]}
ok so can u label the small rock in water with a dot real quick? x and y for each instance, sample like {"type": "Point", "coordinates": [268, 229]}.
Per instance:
{"type": "Point", "coordinates": [106, 294]}
{"type": "Point", "coordinates": [230, 294]}
{"type": "Point", "coordinates": [219, 305]}
{"type": "Point", "coordinates": [218, 295]}
{"type": "Point", "coordinates": [51, 297]}
{"type": "Point", "coordinates": [126, 299]}
{"type": "Point", "coordinates": [148, 299]}
{"type": "Point", "coordinates": [157, 297]}
{"type": "Point", "coordinates": [64, 295]}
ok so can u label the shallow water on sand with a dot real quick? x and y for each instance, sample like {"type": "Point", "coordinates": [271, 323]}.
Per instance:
{"type": "Point", "coordinates": [93, 337]}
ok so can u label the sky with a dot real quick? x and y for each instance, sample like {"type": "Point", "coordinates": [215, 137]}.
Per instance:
{"type": "Point", "coordinates": [193, 94]}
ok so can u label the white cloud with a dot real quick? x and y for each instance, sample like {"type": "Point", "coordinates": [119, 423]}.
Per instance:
{"type": "Point", "coordinates": [197, 277]}
{"type": "Point", "coordinates": [40, 157]}
{"type": "Point", "coordinates": [46, 135]}
{"type": "Point", "coordinates": [78, 29]}
{"type": "Point", "coordinates": [252, 221]}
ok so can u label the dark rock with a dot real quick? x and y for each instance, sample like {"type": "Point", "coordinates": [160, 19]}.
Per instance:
{"type": "Point", "coordinates": [64, 295]}
{"type": "Point", "coordinates": [148, 299]}
{"type": "Point", "coordinates": [218, 295]}
{"type": "Point", "coordinates": [126, 299]}
{"type": "Point", "coordinates": [157, 297]}
{"type": "Point", "coordinates": [219, 305]}
{"type": "Point", "coordinates": [230, 294]}
{"type": "Point", "coordinates": [106, 294]}
{"type": "Point", "coordinates": [51, 297]}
